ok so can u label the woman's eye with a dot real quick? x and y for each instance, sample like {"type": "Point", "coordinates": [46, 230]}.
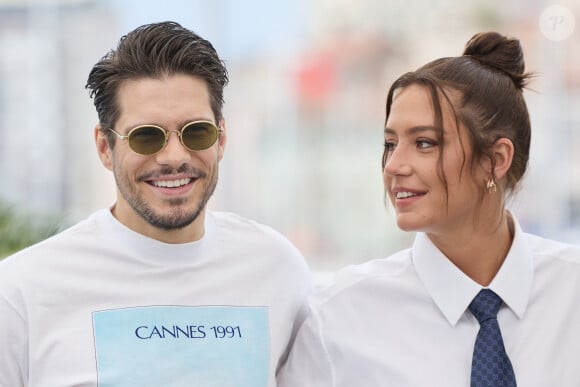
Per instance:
{"type": "Point", "coordinates": [425, 144]}
{"type": "Point", "coordinates": [390, 145]}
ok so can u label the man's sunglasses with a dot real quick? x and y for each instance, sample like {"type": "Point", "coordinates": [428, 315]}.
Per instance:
{"type": "Point", "coordinates": [150, 139]}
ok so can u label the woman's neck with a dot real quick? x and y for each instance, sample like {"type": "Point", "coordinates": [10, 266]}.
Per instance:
{"type": "Point", "coordinates": [478, 251]}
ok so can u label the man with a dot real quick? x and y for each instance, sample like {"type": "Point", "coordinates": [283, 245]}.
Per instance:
{"type": "Point", "coordinates": [155, 291]}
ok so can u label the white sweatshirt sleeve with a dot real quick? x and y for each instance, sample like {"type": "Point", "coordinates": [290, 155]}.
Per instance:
{"type": "Point", "coordinates": [13, 346]}
{"type": "Point", "coordinates": [309, 363]}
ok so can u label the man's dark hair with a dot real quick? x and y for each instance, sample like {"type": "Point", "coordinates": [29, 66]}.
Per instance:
{"type": "Point", "coordinates": [152, 51]}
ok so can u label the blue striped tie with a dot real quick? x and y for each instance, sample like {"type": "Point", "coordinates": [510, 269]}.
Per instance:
{"type": "Point", "coordinates": [491, 366]}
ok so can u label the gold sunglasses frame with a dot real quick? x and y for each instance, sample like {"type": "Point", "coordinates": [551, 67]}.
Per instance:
{"type": "Point", "coordinates": [166, 132]}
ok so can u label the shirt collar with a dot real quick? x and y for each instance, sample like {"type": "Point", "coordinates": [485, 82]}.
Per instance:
{"type": "Point", "coordinates": [453, 291]}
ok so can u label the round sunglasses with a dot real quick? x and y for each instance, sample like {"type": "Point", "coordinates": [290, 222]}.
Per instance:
{"type": "Point", "coordinates": [150, 139]}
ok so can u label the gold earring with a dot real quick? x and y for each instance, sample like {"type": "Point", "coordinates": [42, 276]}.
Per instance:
{"type": "Point", "coordinates": [491, 186]}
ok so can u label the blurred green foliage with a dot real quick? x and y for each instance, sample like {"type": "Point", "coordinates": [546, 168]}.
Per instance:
{"type": "Point", "coordinates": [18, 231]}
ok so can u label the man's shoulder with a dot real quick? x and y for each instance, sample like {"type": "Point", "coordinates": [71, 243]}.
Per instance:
{"type": "Point", "coordinates": [241, 235]}
{"type": "Point", "coordinates": [234, 219]}
{"type": "Point", "coordinates": [229, 224]}
{"type": "Point", "coordinates": [54, 245]}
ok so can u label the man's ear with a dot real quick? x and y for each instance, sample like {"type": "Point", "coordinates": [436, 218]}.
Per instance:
{"type": "Point", "coordinates": [222, 139]}
{"type": "Point", "coordinates": [103, 148]}
{"type": "Point", "coordinates": [502, 152]}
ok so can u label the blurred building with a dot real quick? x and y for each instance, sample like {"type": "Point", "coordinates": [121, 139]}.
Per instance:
{"type": "Point", "coordinates": [46, 117]}
{"type": "Point", "coordinates": [304, 108]}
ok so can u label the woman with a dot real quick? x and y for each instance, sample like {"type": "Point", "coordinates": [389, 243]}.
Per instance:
{"type": "Point", "coordinates": [457, 140]}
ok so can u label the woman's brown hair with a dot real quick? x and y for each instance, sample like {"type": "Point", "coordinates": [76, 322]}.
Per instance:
{"type": "Point", "coordinates": [484, 88]}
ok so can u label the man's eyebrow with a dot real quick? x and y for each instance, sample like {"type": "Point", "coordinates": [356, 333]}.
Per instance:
{"type": "Point", "coordinates": [181, 124]}
{"type": "Point", "coordinates": [413, 130]}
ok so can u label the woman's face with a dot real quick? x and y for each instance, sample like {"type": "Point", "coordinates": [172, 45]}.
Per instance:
{"type": "Point", "coordinates": [416, 163]}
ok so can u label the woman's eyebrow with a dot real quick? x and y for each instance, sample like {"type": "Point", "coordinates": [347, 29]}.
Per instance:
{"type": "Point", "coordinates": [413, 130]}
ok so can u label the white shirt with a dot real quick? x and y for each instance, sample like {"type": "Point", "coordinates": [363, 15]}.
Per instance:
{"type": "Point", "coordinates": [102, 305]}
{"type": "Point", "coordinates": [403, 320]}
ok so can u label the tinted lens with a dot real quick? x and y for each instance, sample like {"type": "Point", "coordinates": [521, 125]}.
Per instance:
{"type": "Point", "coordinates": [199, 135]}
{"type": "Point", "coordinates": [147, 140]}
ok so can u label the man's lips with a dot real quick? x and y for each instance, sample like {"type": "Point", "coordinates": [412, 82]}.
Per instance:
{"type": "Point", "coordinates": [170, 177]}
{"type": "Point", "coordinates": [173, 183]}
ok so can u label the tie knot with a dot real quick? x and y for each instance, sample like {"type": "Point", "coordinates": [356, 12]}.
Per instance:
{"type": "Point", "coordinates": [485, 305]}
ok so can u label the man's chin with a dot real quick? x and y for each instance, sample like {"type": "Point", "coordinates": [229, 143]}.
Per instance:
{"type": "Point", "coordinates": [171, 222]}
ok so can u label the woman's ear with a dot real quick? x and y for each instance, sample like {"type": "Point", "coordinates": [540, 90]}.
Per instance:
{"type": "Point", "coordinates": [103, 148]}
{"type": "Point", "coordinates": [502, 152]}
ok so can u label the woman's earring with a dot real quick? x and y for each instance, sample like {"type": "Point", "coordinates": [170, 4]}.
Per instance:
{"type": "Point", "coordinates": [490, 185]}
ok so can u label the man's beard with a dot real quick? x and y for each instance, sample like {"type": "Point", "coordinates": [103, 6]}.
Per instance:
{"type": "Point", "coordinates": [177, 218]}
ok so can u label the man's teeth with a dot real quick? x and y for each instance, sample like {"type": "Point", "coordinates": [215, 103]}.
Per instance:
{"type": "Point", "coordinates": [403, 195]}
{"type": "Point", "coordinates": [171, 183]}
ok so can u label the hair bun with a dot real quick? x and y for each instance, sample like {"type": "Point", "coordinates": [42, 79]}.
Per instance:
{"type": "Point", "coordinates": [499, 52]}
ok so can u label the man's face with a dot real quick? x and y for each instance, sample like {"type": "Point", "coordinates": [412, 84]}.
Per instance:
{"type": "Point", "coordinates": [165, 193]}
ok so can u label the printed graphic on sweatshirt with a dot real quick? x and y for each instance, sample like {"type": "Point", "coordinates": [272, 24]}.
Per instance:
{"type": "Point", "coordinates": [174, 346]}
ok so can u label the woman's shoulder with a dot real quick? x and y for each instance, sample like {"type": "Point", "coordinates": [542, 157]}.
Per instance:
{"type": "Point", "coordinates": [354, 277]}
{"type": "Point", "coordinates": [551, 248]}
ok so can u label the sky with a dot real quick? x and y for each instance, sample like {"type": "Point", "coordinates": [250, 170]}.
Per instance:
{"type": "Point", "coordinates": [244, 29]}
